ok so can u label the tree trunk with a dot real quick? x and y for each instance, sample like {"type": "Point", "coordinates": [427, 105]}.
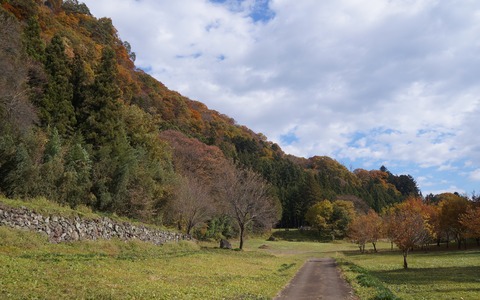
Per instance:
{"type": "Point", "coordinates": [242, 230]}
{"type": "Point", "coordinates": [179, 225]}
{"type": "Point", "coordinates": [391, 245]}
{"type": "Point", "coordinates": [374, 247]}
{"type": "Point", "coordinates": [405, 264]}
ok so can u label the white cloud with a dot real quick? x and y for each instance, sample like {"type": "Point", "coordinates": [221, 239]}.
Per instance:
{"type": "Point", "coordinates": [475, 175]}
{"type": "Point", "coordinates": [387, 82]}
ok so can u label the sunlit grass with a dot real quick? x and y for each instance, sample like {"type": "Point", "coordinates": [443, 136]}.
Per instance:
{"type": "Point", "coordinates": [30, 267]}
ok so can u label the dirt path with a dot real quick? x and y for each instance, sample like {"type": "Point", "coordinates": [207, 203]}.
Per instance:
{"type": "Point", "coordinates": [317, 279]}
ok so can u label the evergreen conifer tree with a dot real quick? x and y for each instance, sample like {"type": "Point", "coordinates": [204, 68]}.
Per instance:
{"type": "Point", "coordinates": [56, 107]}
{"type": "Point", "coordinates": [32, 41]}
{"type": "Point", "coordinates": [100, 111]}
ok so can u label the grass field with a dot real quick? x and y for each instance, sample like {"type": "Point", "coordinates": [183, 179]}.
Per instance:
{"type": "Point", "coordinates": [32, 268]}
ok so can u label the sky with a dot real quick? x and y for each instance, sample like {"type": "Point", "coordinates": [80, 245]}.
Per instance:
{"type": "Point", "coordinates": [391, 82]}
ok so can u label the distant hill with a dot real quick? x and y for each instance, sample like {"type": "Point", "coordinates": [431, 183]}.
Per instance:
{"type": "Point", "coordinates": [80, 124]}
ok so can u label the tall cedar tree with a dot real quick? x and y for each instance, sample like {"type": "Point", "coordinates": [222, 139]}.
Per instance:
{"type": "Point", "coordinates": [32, 41]}
{"type": "Point", "coordinates": [56, 107]}
{"type": "Point", "coordinates": [79, 80]}
{"type": "Point", "coordinates": [100, 112]}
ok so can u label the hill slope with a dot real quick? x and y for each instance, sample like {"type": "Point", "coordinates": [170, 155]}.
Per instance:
{"type": "Point", "coordinates": [80, 124]}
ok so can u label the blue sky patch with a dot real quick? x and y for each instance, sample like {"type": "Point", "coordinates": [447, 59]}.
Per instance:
{"type": "Point", "coordinates": [194, 55]}
{"type": "Point", "coordinates": [260, 12]}
{"type": "Point", "coordinates": [289, 138]}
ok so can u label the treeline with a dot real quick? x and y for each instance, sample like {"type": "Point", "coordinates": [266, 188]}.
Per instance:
{"type": "Point", "coordinates": [416, 223]}
{"type": "Point", "coordinates": [81, 125]}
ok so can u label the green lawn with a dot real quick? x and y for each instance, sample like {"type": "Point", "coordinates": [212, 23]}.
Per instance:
{"type": "Point", "coordinates": [434, 274]}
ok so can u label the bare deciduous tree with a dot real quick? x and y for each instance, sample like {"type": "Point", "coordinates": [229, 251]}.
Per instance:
{"type": "Point", "coordinates": [249, 201]}
{"type": "Point", "coordinates": [192, 204]}
{"type": "Point", "coordinates": [14, 105]}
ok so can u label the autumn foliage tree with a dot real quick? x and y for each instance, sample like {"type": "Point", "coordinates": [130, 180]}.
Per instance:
{"type": "Point", "coordinates": [366, 228]}
{"type": "Point", "coordinates": [358, 232]}
{"type": "Point", "coordinates": [471, 221]}
{"type": "Point", "coordinates": [374, 225]}
{"type": "Point", "coordinates": [409, 226]}
{"type": "Point", "coordinates": [331, 218]}
{"type": "Point", "coordinates": [452, 206]}
{"type": "Point", "coordinates": [319, 215]}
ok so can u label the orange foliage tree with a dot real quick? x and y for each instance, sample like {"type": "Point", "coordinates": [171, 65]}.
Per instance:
{"type": "Point", "coordinates": [452, 206]}
{"type": "Point", "coordinates": [410, 227]}
{"type": "Point", "coordinates": [471, 221]}
{"type": "Point", "coordinates": [366, 228]}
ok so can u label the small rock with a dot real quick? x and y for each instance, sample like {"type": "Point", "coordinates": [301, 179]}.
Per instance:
{"type": "Point", "coordinates": [224, 244]}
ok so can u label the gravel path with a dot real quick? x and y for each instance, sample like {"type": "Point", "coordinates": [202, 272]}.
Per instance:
{"type": "Point", "coordinates": [317, 279]}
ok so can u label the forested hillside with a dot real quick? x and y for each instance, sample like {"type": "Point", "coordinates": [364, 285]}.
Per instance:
{"type": "Point", "coordinates": [81, 125]}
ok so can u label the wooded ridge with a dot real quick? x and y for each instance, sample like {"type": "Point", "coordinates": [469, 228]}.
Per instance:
{"type": "Point", "coordinates": [81, 125]}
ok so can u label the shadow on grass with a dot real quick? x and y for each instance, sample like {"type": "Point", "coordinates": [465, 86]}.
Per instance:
{"type": "Point", "coordinates": [429, 252]}
{"type": "Point", "coordinates": [81, 257]}
{"type": "Point", "coordinates": [444, 272]}
{"type": "Point", "coordinates": [419, 276]}
{"type": "Point", "coordinates": [296, 235]}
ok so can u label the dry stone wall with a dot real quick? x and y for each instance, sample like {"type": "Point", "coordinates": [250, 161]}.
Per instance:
{"type": "Point", "coordinates": [62, 229]}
